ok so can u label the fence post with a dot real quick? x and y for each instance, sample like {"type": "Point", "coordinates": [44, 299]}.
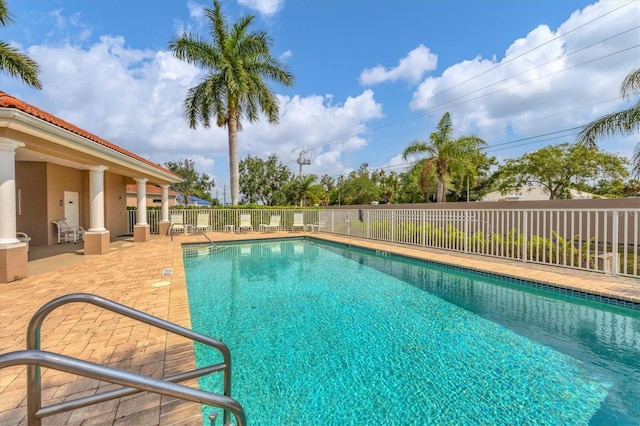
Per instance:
{"type": "Point", "coordinates": [367, 224]}
{"type": "Point", "coordinates": [393, 225]}
{"type": "Point", "coordinates": [524, 235]}
{"type": "Point", "coordinates": [466, 231]}
{"type": "Point", "coordinates": [614, 244]}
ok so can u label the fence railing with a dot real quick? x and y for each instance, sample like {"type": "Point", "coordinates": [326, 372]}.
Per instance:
{"type": "Point", "coordinates": [219, 218]}
{"type": "Point", "coordinates": [600, 240]}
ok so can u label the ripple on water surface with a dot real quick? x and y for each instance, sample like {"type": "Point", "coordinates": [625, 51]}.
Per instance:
{"type": "Point", "coordinates": [330, 341]}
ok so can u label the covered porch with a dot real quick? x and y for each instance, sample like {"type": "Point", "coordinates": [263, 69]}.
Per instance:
{"type": "Point", "coordinates": [51, 170]}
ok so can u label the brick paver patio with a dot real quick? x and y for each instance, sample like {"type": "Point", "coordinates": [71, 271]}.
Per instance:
{"type": "Point", "coordinates": [133, 275]}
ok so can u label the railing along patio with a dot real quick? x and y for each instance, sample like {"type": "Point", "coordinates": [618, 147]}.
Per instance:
{"type": "Point", "coordinates": [599, 240]}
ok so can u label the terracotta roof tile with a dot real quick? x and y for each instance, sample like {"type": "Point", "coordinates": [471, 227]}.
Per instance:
{"type": "Point", "coordinates": [151, 189]}
{"type": "Point", "coordinates": [7, 101]}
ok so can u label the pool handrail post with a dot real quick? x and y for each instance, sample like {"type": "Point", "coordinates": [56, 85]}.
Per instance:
{"type": "Point", "coordinates": [34, 403]}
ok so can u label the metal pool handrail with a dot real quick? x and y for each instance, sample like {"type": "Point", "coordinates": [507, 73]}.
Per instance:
{"type": "Point", "coordinates": [34, 402]}
{"type": "Point", "coordinates": [133, 383]}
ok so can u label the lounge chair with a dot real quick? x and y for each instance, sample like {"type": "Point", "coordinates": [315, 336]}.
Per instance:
{"type": "Point", "coordinates": [245, 223]}
{"type": "Point", "coordinates": [202, 222]}
{"type": "Point", "coordinates": [68, 233]}
{"type": "Point", "coordinates": [23, 238]}
{"type": "Point", "coordinates": [177, 224]}
{"type": "Point", "coordinates": [322, 223]}
{"type": "Point", "coordinates": [273, 225]}
{"type": "Point", "coordinates": [298, 222]}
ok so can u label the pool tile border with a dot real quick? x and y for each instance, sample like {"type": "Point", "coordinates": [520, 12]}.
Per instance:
{"type": "Point", "coordinates": [581, 294]}
{"type": "Point", "coordinates": [540, 285]}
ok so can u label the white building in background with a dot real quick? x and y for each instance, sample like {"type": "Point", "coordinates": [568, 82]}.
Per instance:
{"type": "Point", "coordinates": [533, 193]}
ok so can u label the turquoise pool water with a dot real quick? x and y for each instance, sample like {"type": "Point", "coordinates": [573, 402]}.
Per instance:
{"type": "Point", "coordinates": [322, 334]}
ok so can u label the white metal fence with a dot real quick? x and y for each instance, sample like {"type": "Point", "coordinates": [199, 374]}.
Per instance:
{"type": "Point", "coordinates": [219, 218]}
{"type": "Point", "coordinates": [601, 240]}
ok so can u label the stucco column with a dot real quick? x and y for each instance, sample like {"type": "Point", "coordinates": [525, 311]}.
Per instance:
{"type": "Point", "coordinates": [141, 230]}
{"type": "Point", "coordinates": [165, 202]}
{"type": "Point", "coordinates": [13, 253]}
{"type": "Point", "coordinates": [97, 239]}
{"type": "Point", "coordinates": [8, 190]}
{"type": "Point", "coordinates": [96, 208]}
{"type": "Point", "coordinates": [141, 190]}
{"type": "Point", "coordinates": [163, 226]}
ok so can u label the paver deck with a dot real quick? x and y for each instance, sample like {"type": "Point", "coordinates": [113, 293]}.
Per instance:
{"type": "Point", "coordinates": [132, 274]}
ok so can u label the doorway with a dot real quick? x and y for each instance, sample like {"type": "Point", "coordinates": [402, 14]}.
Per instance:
{"type": "Point", "coordinates": [72, 208]}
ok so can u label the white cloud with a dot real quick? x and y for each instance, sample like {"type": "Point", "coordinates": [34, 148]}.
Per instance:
{"type": "Point", "coordinates": [313, 122]}
{"type": "Point", "coordinates": [547, 81]}
{"type": "Point", "coordinates": [264, 7]}
{"type": "Point", "coordinates": [196, 10]}
{"type": "Point", "coordinates": [411, 68]}
{"type": "Point", "coordinates": [134, 98]}
{"type": "Point", "coordinates": [286, 55]}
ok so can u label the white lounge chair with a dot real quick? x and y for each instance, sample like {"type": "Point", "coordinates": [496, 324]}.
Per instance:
{"type": "Point", "coordinates": [202, 222]}
{"type": "Point", "coordinates": [68, 233]}
{"type": "Point", "coordinates": [23, 238]}
{"type": "Point", "coordinates": [273, 225]}
{"type": "Point", "coordinates": [177, 224]}
{"type": "Point", "coordinates": [245, 223]}
{"type": "Point", "coordinates": [298, 222]}
{"type": "Point", "coordinates": [322, 223]}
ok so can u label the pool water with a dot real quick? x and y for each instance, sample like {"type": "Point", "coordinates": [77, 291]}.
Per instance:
{"type": "Point", "coordinates": [324, 334]}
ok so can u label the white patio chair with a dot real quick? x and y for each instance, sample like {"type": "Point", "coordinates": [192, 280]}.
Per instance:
{"type": "Point", "coordinates": [298, 222]}
{"type": "Point", "coordinates": [68, 233]}
{"type": "Point", "coordinates": [202, 222]}
{"type": "Point", "coordinates": [322, 223]}
{"type": "Point", "coordinates": [177, 224]}
{"type": "Point", "coordinates": [23, 238]}
{"type": "Point", "coordinates": [245, 223]}
{"type": "Point", "coordinates": [273, 225]}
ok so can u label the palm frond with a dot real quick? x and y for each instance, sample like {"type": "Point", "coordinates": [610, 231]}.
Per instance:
{"type": "Point", "coordinates": [19, 65]}
{"type": "Point", "coordinates": [631, 84]}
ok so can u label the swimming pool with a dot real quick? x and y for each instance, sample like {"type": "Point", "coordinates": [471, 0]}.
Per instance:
{"type": "Point", "coordinates": [324, 334]}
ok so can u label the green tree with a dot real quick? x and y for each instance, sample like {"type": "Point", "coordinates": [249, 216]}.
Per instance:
{"type": "Point", "coordinates": [264, 181]}
{"type": "Point", "coordinates": [328, 183]}
{"type": "Point", "coordinates": [296, 190]}
{"type": "Point", "coordinates": [559, 168]}
{"type": "Point", "coordinates": [238, 63]}
{"type": "Point", "coordinates": [194, 183]}
{"type": "Point", "coordinates": [358, 187]}
{"type": "Point", "coordinates": [442, 152]}
{"type": "Point", "coordinates": [317, 195]}
{"type": "Point", "coordinates": [388, 184]}
{"type": "Point", "coordinates": [12, 61]}
{"type": "Point", "coordinates": [416, 186]}
{"type": "Point", "coordinates": [470, 177]}
{"type": "Point", "coordinates": [626, 122]}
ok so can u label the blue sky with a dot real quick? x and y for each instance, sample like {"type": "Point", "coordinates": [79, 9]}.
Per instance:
{"type": "Point", "coordinates": [371, 75]}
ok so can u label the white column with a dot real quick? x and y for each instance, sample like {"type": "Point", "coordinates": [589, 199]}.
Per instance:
{"type": "Point", "coordinates": [141, 189]}
{"type": "Point", "coordinates": [8, 190]}
{"type": "Point", "coordinates": [96, 195]}
{"type": "Point", "coordinates": [165, 202]}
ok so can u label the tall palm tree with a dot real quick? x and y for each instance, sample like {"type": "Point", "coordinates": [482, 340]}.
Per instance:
{"type": "Point", "coordinates": [624, 122]}
{"type": "Point", "coordinates": [442, 151]}
{"type": "Point", "coordinates": [13, 62]}
{"type": "Point", "coordinates": [237, 63]}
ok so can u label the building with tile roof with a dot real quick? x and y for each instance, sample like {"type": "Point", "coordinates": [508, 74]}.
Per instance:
{"type": "Point", "coordinates": [51, 169]}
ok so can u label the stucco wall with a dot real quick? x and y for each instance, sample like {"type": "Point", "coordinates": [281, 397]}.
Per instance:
{"type": "Point", "coordinates": [31, 185]}
{"type": "Point", "coordinates": [60, 179]}
{"type": "Point", "coordinates": [115, 205]}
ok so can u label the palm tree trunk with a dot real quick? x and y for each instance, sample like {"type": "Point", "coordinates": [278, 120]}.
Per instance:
{"type": "Point", "coordinates": [234, 172]}
{"type": "Point", "coordinates": [440, 198]}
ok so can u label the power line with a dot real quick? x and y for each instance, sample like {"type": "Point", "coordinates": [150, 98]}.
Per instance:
{"type": "Point", "coordinates": [445, 106]}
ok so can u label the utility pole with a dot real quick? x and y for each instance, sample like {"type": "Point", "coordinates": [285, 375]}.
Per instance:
{"type": "Point", "coordinates": [303, 159]}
